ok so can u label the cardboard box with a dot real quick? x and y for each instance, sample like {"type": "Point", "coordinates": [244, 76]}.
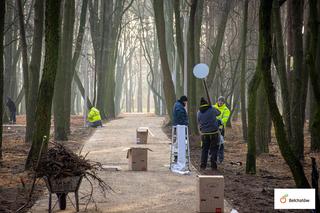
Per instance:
{"type": "Point", "coordinates": [210, 193]}
{"type": "Point", "coordinates": [138, 158]}
{"type": "Point", "coordinates": [142, 135]}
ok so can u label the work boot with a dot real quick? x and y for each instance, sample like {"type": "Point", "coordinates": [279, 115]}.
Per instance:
{"type": "Point", "coordinates": [214, 166]}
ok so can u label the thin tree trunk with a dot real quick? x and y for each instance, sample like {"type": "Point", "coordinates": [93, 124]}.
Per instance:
{"type": "Point", "coordinates": [296, 105]}
{"type": "Point", "coordinates": [63, 74]}
{"type": "Point", "coordinates": [192, 93]}
{"type": "Point", "coordinates": [218, 44]}
{"type": "Point", "coordinates": [24, 54]}
{"type": "Point", "coordinates": [102, 63]}
{"type": "Point", "coordinates": [263, 122]}
{"type": "Point", "coordinates": [112, 55]}
{"type": "Point", "coordinates": [44, 101]}
{"type": "Point", "coordinates": [2, 15]}
{"type": "Point", "coordinates": [176, 5]}
{"type": "Point", "coordinates": [252, 93]}
{"type": "Point", "coordinates": [75, 58]}
{"type": "Point", "coordinates": [35, 64]}
{"type": "Point", "coordinates": [281, 66]}
{"type": "Point", "coordinates": [9, 71]}
{"type": "Point", "coordinates": [167, 80]}
{"type": "Point", "coordinates": [313, 63]}
{"type": "Point", "coordinates": [197, 36]}
{"type": "Point", "coordinates": [148, 100]}
{"type": "Point", "coordinates": [243, 72]}
{"type": "Point", "coordinates": [264, 63]}
{"type": "Point", "coordinates": [139, 99]}
{"type": "Point", "coordinates": [81, 89]}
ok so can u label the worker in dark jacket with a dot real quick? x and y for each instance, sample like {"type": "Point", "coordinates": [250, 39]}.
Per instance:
{"type": "Point", "coordinates": [209, 130]}
{"type": "Point", "coordinates": [180, 116]}
{"type": "Point", "coordinates": [13, 110]}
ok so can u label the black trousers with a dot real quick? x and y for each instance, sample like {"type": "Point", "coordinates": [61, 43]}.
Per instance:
{"type": "Point", "coordinates": [209, 143]}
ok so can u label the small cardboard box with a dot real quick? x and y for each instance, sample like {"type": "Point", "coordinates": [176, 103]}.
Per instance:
{"type": "Point", "coordinates": [210, 193]}
{"type": "Point", "coordinates": [142, 135]}
{"type": "Point", "coordinates": [138, 158]}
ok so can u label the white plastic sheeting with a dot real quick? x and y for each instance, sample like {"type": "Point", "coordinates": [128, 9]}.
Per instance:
{"type": "Point", "coordinates": [181, 144]}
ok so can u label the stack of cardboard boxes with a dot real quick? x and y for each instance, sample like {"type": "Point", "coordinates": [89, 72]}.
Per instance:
{"type": "Point", "coordinates": [210, 193]}
{"type": "Point", "coordinates": [138, 156]}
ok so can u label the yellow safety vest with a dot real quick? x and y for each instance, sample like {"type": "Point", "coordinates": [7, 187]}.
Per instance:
{"type": "Point", "coordinates": [224, 113]}
{"type": "Point", "coordinates": [94, 115]}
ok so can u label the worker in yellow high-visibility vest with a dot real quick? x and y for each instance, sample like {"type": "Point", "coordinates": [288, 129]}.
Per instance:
{"type": "Point", "coordinates": [94, 118]}
{"type": "Point", "coordinates": [222, 119]}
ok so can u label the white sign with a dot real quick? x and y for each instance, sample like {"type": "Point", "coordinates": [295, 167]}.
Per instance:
{"type": "Point", "coordinates": [294, 198]}
{"type": "Point", "coordinates": [201, 71]}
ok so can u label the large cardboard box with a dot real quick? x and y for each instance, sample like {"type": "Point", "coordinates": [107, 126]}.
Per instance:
{"type": "Point", "coordinates": [210, 193]}
{"type": "Point", "coordinates": [138, 158]}
{"type": "Point", "coordinates": [142, 135]}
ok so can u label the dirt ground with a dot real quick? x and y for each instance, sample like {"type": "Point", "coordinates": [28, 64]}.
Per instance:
{"type": "Point", "coordinates": [155, 190]}
{"type": "Point", "coordinates": [253, 193]}
{"type": "Point", "coordinates": [15, 183]}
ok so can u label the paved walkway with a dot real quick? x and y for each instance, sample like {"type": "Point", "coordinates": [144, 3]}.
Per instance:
{"type": "Point", "coordinates": [156, 190]}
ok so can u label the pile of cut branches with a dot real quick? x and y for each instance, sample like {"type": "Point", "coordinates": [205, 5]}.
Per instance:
{"type": "Point", "coordinates": [60, 162]}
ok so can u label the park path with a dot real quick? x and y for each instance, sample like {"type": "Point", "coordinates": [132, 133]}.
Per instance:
{"type": "Point", "coordinates": [155, 190]}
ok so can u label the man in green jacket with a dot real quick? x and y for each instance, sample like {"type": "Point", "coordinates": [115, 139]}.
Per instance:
{"type": "Point", "coordinates": [222, 119]}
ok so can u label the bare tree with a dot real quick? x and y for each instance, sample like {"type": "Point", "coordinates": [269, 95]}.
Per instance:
{"type": "Point", "coordinates": [313, 64]}
{"type": "Point", "coordinates": [243, 71]}
{"type": "Point", "coordinates": [63, 74]}
{"type": "Point", "coordinates": [167, 80]}
{"type": "Point", "coordinates": [218, 43]}
{"type": "Point", "coordinates": [2, 15]}
{"type": "Point", "coordinates": [264, 62]}
{"type": "Point", "coordinates": [44, 101]}
{"type": "Point", "coordinates": [35, 63]}
{"type": "Point", "coordinates": [24, 56]}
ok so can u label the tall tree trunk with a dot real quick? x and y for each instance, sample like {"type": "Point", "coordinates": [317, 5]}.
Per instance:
{"type": "Point", "coordinates": [218, 43]}
{"type": "Point", "coordinates": [197, 36]}
{"type": "Point", "coordinates": [126, 91]}
{"type": "Point", "coordinates": [264, 63]}
{"type": "Point", "coordinates": [69, 68]}
{"type": "Point", "coordinates": [148, 100]}
{"type": "Point", "coordinates": [35, 64]}
{"type": "Point", "coordinates": [139, 99]}
{"type": "Point", "coordinates": [82, 90]}
{"type": "Point", "coordinates": [296, 105]}
{"type": "Point", "coordinates": [167, 80]}
{"type": "Point", "coordinates": [9, 72]}
{"type": "Point", "coordinates": [168, 16]}
{"type": "Point", "coordinates": [263, 122]}
{"type": "Point", "coordinates": [44, 101]}
{"type": "Point", "coordinates": [252, 100]}
{"type": "Point", "coordinates": [313, 63]}
{"type": "Point", "coordinates": [75, 58]}
{"type": "Point", "coordinates": [63, 74]}
{"type": "Point", "coordinates": [102, 54]}
{"type": "Point", "coordinates": [24, 55]}
{"type": "Point", "coordinates": [112, 55]}
{"type": "Point", "coordinates": [280, 64]}
{"type": "Point", "coordinates": [243, 72]}
{"type": "Point", "coordinates": [192, 93]}
{"type": "Point", "coordinates": [2, 13]}
{"type": "Point", "coordinates": [178, 31]}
